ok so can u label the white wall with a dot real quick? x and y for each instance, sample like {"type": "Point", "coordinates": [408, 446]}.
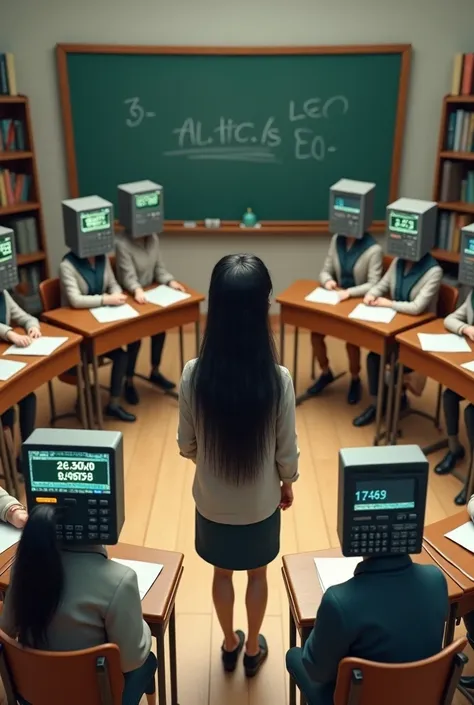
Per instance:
{"type": "Point", "coordinates": [437, 29]}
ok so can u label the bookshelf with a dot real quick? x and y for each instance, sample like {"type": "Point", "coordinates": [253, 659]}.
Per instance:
{"type": "Point", "coordinates": [23, 208]}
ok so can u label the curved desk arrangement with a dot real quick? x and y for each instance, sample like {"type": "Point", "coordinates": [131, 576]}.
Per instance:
{"type": "Point", "coordinates": [334, 321]}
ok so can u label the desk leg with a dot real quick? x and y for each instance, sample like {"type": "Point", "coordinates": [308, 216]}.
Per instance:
{"type": "Point", "coordinates": [173, 667]}
{"type": "Point", "coordinates": [295, 358]}
{"type": "Point", "coordinates": [7, 470]}
{"type": "Point", "coordinates": [160, 654]}
{"type": "Point", "coordinates": [197, 328]}
{"type": "Point", "coordinates": [98, 401]}
{"type": "Point", "coordinates": [450, 625]}
{"type": "Point", "coordinates": [389, 409]}
{"type": "Point", "coordinates": [398, 401]}
{"type": "Point", "coordinates": [80, 394]}
{"type": "Point", "coordinates": [181, 348]}
{"type": "Point", "coordinates": [305, 633]}
{"type": "Point", "coordinates": [282, 343]}
{"type": "Point", "coordinates": [380, 397]}
{"type": "Point", "coordinates": [87, 387]}
{"type": "Point", "coordinates": [292, 684]}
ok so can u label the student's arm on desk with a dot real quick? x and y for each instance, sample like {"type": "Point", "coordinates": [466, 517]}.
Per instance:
{"type": "Point", "coordinates": [126, 271]}
{"type": "Point", "coordinates": [423, 299]}
{"type": "Point", "coordinates": [18, 316]}
{"type": "Point", "coordinates": [328, 643]}
{"type": "Point", "coordinates": [328, 272]}
{"type": "Point", "coordinates": [373, 277]}
{"type": "Point", "coordinates": [457, 320]}
{"type": "Point", "coordinates": [187, 441]}
{"type": "Point", "coordinates": [111, 285]}
{"type": "Point", "coordinates": [124, 624]}
{"type": "Point", "coordinates": [382, 287]}
{"type": "Point", "coordinates": [75, 298]}
{"type": "Point", "coordinates": [287, 451]}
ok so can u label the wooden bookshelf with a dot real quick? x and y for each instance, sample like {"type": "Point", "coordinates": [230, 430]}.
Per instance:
{"type": "Point", "coordinates": [24, 162]}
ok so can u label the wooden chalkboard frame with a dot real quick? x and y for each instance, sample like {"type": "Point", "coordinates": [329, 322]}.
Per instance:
{"type": "Point", "coordinates": [269, 227]}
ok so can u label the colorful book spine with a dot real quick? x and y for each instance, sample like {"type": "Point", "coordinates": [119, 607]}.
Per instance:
{"type": "Point", "coordinates": [467, 75]}
{"type": "Point", "coordinates": [451, 131]}
{"type": "Point", "coordinates": [457, 74]}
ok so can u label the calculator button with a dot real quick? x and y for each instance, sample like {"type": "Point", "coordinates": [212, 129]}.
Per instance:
{"type": "Point", "coordinates": [401, 517]}
{"type": "Point", "coordinates": [91, 527]}
{"type": "Point", "coordinates": [373, 528]}
{"type": "Point", "coordinates": [395, 544]}
{"type": "Point", "coordinates": [404, 535]}
{"type": "Point", "coordinates": [104, 512]}
{"type": "Point", "coordinates": [105, 527]}
{"type": "Point", "coordinates": [371, 536]}
{"type": "Point", "coordinates": [79, 536]}
{"type": "Point", "coordinates": [92, 536]}
{"type": "Point", "coordinates": [92, 512]}
{"type": "Point", "coordinates": [104, 502]}
{"type": "Point", "coordinates": [396, 535]}
{"type": "Point", "coordinates": [397, 527]}
{"type": "Point", "coordinates": [92, 502]}
{"type": "Point", "coordinates": [378, 535]}
{"type": "Point", "coordinates": [59, 527]}
{"type": "Point", "coordinates": [69, 527]}
{"type": "Point", "coordinates": [364, 528]}
{"type": "Point", "coordinates": [385, 542]}
{"type": "Point", "coordinates": [363, 546]}
{"type": "Point", "coordinates": [384, 549]}
{"type": "Point", "coordinates": [382, 517]}
{"type": "Point", "coordinates": [355, 529]}
{"type": "Point", "coordinates": [385, 535]}
{"type": "Point", "coordinates": [363, 536]}
{"type": "Point", "coordinates": [69, 537]}
{"type": "Point", "coordinates": [410, 527]}
{"type": "Point", "coordinates": [412, 516]}
{"type": "Point", "coordinates": [78, 527]}
{"type": "Point", "coordinates": [106, 537]}
{"type": "Point", "coordinates": [370, 544]}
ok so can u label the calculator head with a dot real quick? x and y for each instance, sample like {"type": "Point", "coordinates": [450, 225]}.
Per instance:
{"type": "Point", "coordinates": [141, 208]}
{"type": "Point", "coordinates": [411, 228]}
{"type": "Point", "coordinates": [351, 206]}
{"type": "Point", "coordinates": [8, 267]}
{"type": "Point", "coordinates": [89, 226]}
{"type": "Point", "coordinates": [381, 500]}
{"type": "Point", "coordinates": [466, 261]}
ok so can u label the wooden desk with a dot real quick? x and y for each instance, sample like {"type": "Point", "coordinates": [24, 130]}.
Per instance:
{"type": "Point", "coordinates": [38, 371]}
{"type": "Point", "coordinates": [334, 321]}
{"type": "Point", "coordinates": [304, 595]}
{"type": "Point", "coordinates": [158, 604]}
{"type": "Point", "coordinates": [100, 338]}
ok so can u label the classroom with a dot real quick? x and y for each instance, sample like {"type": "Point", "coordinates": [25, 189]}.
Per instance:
{"type": "Point", "coordinates": [280, 130]}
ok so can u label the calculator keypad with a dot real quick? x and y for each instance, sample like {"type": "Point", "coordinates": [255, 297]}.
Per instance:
{"type": "Point", "coordinates": [376, 536]}
{"type": "Point", "coordinates": [96, 529]}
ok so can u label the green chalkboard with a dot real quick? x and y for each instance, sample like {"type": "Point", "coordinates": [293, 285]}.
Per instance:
{"type": "Point", "coordinates": [226, 131]}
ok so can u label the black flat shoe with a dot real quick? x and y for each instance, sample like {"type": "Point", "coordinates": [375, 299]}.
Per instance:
{"type": "Point", "coordinates": [366, 417]}
{"type": "Point", "coordinates": [321, 383]}
{"type": "Point", "coordinates": [160, 381]}
{"type": "Point", "coordinates": [461, 499]}
{"type": "Point", "coordinates": [230, 658]}
{"type": "Point", "coordinates": [130, 394]}
{"type": "Point", "coordinates": [355, 392]}
{"type": "Point", "coordinates": [449, 461]}
{"type": "Point", "coordinates": [117, 412]}
{"type": "Point", "coordinates": [252, 664]}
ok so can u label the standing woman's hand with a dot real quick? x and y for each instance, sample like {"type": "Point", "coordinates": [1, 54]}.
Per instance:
{"type": "Point", "coordinates": [286, 496]}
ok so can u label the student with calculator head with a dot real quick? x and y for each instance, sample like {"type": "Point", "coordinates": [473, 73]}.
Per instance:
{"type": "Point", "coordinates": [352, 266]}
{"type": "Point", "coordinates": [139, 264]}
{"type": "Point", "coordinates": [87, 279]}
{"type": "Point", "coordinates": [412, 281]}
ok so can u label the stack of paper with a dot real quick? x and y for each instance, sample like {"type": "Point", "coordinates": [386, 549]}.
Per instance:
{"type": "Point", "coordinates": [40, 346]}
{"type": "Point", "coordinates": [334, 571]}
{"type": "Point", "coordinates": [468, 366]}
{"type": "Point", "coordinates": [373, 314]}
{"type": "Point", "coordinates": [147, 573]}
{"type": "Point", "coordinates": [108, 314]}
{"type": "Point", "coordinates": [165, 296]}
{"type": "Point", "coordinates": [323, 296]}
{"type": "Point", "coordinates": [463, 535]}
{"type": "Point", "coordinates": [444, 342]}
{"type": "Point", "coordinates": [8, 368]}
{"type": "Point", "coordinates": [9, 536]}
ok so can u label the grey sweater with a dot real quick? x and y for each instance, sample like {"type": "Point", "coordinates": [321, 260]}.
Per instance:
{"type": "Point", "coordinates": [423, 295]}
{"type": "Point", "coordinates": [139, 262]}
{"type": "Point", "coordinates": [461, 317]}
{"type": "Point", "coordinates": [221, 502]}
{"type": "Point", "coordinates": [74, 287]}
{"type": "Point", "coordinates": [367, 269]}
{"type": "Point", "coordinates": [16, 315]}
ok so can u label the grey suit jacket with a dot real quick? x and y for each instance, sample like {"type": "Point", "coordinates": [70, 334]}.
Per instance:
{"type": "Point", "coordinates": [16, 315]}
{"type": "Point", "coordinates": [139, 262]}
{"type": "Point", "coordinates": [101, 604]}
{"type": "Point", "coordinates": [367, 269]}
{"type": "Point", "coordinates": [424, 294]}
{"type": "Point", "coordinates": [461, 317]}
{"type": "Point", "coordinates": [74, 288]}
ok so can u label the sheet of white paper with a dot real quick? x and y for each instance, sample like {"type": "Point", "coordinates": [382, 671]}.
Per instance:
{"type": "Point", "coordinates": [463, 535]}
{"type": "Point", "coordinates": [8, 536]}
{"type": "Point", "coordinates": [469, 366]}
{"type": "Point", "coordinates": [8, 368]}
{"type": "Point", "coordinates": [147, 573]}
{"type": "Point", "coordinates": [165, 296]}
{"type": "Point", "coordinates": [322, 296]}
{"type": "Point", "coordinates": [333, 571]}
{"type": "Point", "coordinates": [373, 314]}
{"type": "Point", "coordinates": [108, 314]}
{"type": "Point", "coordinates": [40, 346]}
{"type": "Point", "coordinates": [444, 342]}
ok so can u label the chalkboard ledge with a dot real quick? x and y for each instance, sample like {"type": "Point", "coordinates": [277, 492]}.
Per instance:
{"type": "Point", "coordinates": [268, 227]}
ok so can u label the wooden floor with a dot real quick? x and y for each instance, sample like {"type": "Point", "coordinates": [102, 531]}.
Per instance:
{"type": "Point", "coordinates": [160, 514]}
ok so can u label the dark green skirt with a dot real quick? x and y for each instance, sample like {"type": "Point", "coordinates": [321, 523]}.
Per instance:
{"type": "Point", "coordinates": [238, 546]}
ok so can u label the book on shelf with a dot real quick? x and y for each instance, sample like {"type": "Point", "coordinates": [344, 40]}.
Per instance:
{"type": "Point", "coordinates": [457, 183]}
{"type": "Point", "coordinates": [12, 135]}
{"type": "Point", "coordinates": [14, 188]}
{"type": "Point", "coordinates": [26, 294]}
{"type": "Point", "coordinates": [462, 82]}
{"type": "Point", "coordinates": [460, 131]}
{"type": "Point", "coordinates": [26, 234]}
{"type": "Point", "coordinates": [7, 75]}
{"type": "Point", "coordinates": [448, 235]}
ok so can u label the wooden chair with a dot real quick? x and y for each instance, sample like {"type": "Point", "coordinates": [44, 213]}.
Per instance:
{"type": "Point", "coordinates": [92, 676]}
{"type": "Point", "coordinates": [431, 682]}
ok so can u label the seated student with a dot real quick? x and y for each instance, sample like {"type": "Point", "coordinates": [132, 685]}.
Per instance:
{"type": "Point", "coordinates": [11, 511]}
{"type": "Point", "coordinates": [139, 264]}
{"type": "Point", "coordinates": [67, 598]}
{"type": "Point", "coordinates": [468, 681]}
{"type": "Point", "coordinates": [413, 286]}
{"type": "Point", "coordinates": [391, 611]}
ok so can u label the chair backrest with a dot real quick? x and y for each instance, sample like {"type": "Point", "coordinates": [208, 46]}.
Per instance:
{"type": "Point", "coordinates": [50, 294]}
{"type": "Point", "coordinates": [386, 262]}
{"type": "Point", "coordinates": [447, 300]}
{"type": "Point", "coordinates": [92, 676]}
{"type": "Point", "coordinates": [432, 681]}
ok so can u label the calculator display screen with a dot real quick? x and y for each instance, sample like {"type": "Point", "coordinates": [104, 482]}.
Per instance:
{"type": "Point", "coordinates": [370, 495]}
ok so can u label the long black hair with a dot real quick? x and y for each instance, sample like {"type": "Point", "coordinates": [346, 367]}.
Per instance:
{"type": "Point", "coordinates": [236, 380]}
{"type": "Point", "coordinates": [38, 578]}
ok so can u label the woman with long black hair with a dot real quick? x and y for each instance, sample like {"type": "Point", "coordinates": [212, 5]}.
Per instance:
{"type": "Point", "coordinates": [237, 423]}
{"type": "Point", "coordinates": [65, 598]}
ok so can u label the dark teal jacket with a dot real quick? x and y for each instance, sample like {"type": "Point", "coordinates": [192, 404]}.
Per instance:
{"type": "Point", "coordinates": [391, 611]}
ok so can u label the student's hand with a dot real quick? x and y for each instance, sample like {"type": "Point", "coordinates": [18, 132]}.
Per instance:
{"type": "Point", "coordinates": [173, 284]}
{"type": "Point", "coordinates": [34, 332]}
{"type": "Point", "coordinates": [381, 301]}
{"type": "Point", "coordinates": [343, 294]}
{"type": "Point", "coordinates": [330, 285]}
{"type": "Point", "coordinates": [114, 299]}
{"type": "Point", "coordinates": [17, 516]}
{"type": "Point", "coordinates": [21, 341]}
{"type": "Point", "coordinates": [139, 296]}
{"type": "Point", "coordinates": [286, 496]}
{"type": "Point", "coordinates": [468, 331]}
{"type": "Point", "coordinates": [369, 299]}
